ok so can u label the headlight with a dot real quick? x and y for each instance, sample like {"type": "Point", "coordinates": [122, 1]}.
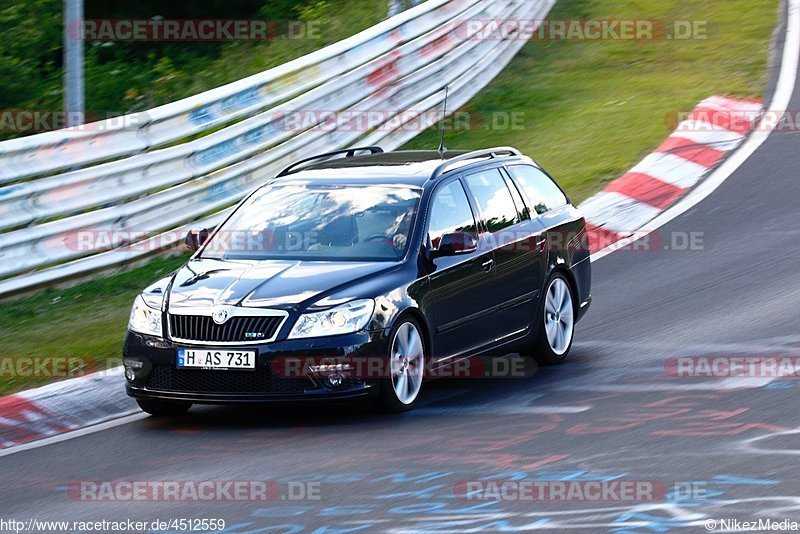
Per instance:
{"type": "Point", "coordinates": [145, 319]}
{"type": "Point", "coordinates": [344, 319]}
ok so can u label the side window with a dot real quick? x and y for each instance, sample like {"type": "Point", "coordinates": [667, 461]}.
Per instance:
{"type": "Point", "coordinates": [450, 212]}
{"type": "Point", "coordinates": [538, 187]}
{"type": "Point", "coordinates": [494, 198]}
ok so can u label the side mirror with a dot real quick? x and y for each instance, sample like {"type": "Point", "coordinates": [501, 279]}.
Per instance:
{"type": "Point", "coordinates": [455, 243]}
{"type": "Point", "coordinates": [195, 238]}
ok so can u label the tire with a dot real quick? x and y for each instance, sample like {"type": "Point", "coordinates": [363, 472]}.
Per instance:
{"type": "Point", "coordinates": [163, 408]}
{"type": "Point", "coordinates": [400, 391]}
{"type": "Point", "coordinates": [555, 330]}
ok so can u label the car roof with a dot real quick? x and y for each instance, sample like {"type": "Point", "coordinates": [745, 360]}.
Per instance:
{"type": "Point", "coordinates": [402, 167]}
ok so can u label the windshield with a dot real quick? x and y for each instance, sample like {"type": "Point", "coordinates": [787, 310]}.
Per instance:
{"type": "Point", "coordinates": [336, 223]}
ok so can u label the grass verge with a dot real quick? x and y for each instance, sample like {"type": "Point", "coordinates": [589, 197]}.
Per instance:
{"type": "Point", "coordinates": [73, 331]}
{"type": "Point", "coordinates": [589, 110]}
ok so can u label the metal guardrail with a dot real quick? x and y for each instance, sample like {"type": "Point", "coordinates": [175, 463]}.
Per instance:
{"type": "Point", "coordinates": [142, 200]}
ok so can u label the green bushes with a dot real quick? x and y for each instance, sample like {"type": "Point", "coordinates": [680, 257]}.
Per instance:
{"type": "Point", "coordinates": [123, 77]}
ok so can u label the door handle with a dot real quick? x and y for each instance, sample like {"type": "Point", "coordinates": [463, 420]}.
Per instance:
{"type": "Point", "coordinates": [541, 241]}
{"type": "Point", "coordinates": [487, 265]}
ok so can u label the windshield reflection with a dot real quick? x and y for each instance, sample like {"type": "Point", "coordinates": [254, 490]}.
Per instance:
{"type": "Point", "coordinates": [334, 223]}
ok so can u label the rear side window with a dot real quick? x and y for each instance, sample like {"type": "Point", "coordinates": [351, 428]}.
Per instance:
{"type": "Point", "coordinates": [542, 193]}
{"type": "Point", "coordinates": [494, 198]}
{"type": "Point", "coordinates": [450, 212]}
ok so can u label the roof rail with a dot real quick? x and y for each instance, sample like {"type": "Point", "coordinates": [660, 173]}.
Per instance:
{"type": "Point", "coordinates": [348, 152]}
{"type": "Point", "coordinates": [489, 153]}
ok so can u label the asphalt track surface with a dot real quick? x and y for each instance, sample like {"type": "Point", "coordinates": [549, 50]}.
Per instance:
{"type": "Point", "coordinates": [612, 412]}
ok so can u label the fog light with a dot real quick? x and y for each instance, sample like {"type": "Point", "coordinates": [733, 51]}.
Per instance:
{"type": "Point", "coordinates": [134, 364]}
{"type": "Point", "coordinates": [334, 380]}
{"type": "Point", "coordinates": [156, 343]}
{"type": "Point", "coordinates": [130, 374]}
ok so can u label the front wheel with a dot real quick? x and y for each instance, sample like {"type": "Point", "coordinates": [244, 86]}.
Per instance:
{"type": "Point", "coordinates": [162, 408]}
{"type": "Point", "coordinates": [556, 319]}
{"type": "Point", "coordinates": [400, 390]}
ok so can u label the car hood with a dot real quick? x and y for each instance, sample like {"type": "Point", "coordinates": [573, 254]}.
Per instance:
{"type": "Point", "coordinates": [265, 283]}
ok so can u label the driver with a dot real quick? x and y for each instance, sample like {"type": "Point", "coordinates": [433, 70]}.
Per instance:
{"type": "Point", "coordinates": [400, 230]}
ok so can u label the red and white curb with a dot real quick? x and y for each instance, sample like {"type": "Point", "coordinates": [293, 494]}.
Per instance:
{"type": "Point", "coordinates": [63, 407]}
{"type": "Point", "coordinates": [702, 139]}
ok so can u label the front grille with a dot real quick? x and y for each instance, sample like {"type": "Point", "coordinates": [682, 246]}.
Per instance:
{"type": "Point", "coordinates": [168, 378]}
{"type": "Point", "coordinates": [203, 328]}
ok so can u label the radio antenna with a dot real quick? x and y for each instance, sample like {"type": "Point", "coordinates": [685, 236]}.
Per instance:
{"type": "Point", "coordinates": [442, 148]}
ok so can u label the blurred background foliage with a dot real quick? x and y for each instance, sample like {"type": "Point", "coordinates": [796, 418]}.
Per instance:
{"type": "Point", "coordinates": [122, 77]}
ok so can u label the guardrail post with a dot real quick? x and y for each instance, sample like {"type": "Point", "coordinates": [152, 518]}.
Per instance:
{"type": "Point", "coordinates": [73, 62]}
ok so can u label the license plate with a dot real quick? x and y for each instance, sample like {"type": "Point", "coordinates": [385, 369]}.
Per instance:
{"type": "Point", "coordinates": [216, 359]}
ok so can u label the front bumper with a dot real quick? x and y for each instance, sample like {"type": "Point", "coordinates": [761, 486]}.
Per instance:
{"type": "Point", "coordinates": [158, 376]}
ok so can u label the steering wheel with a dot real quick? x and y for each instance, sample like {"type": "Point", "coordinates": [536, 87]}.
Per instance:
{"type": "Point", "coordinates": [376, 237]}
{"type": "Point", "coordinates": [388, 241]}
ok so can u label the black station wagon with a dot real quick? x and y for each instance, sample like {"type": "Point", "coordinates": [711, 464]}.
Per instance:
{"type": "Point", "coordinates": [360, 273]}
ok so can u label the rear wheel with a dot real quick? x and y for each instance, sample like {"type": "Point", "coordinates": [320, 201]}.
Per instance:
{"type": "Point", "coordinates": [400, 390]}
{"type": "Point", "coordinates": [163, 408]}
{"type": "Point", "coordinates": [556, 320]}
